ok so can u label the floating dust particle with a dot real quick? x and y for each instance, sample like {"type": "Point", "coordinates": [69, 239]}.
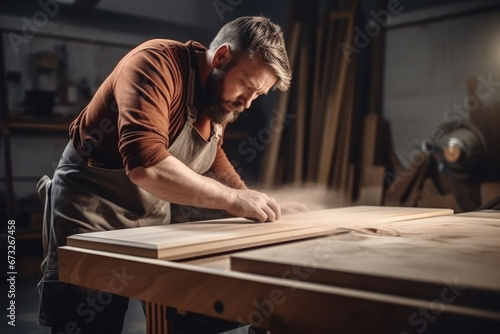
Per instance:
{"type": "Point", "coordinates": [315, 197]}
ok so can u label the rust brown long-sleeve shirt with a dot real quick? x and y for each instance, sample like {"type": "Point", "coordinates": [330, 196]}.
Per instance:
{"type": "Point", "coordinates": [139, 110]}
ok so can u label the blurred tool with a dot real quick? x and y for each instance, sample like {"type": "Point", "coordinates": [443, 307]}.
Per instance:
{"type": "Point", "coordinates": [460, 151]}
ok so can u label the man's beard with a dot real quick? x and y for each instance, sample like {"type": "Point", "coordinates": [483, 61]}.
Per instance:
{"type": "Point", "coordinates": [218, 110]}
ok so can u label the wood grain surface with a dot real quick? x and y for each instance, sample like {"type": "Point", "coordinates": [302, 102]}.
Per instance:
{"type": "Point", "coordinates": [195, 239]}
{"type": "Point", "coordinates": [455, 259]}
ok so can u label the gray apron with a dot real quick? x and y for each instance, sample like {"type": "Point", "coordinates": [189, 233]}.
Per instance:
{"type": "Point", "coordinates": [83, 198]}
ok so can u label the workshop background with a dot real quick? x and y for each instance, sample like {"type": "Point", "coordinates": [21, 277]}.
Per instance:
{"type": "Point", "coordinates": [392, 103]}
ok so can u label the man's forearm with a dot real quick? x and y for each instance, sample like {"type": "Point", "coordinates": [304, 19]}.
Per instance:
{"type": "Point", "coordinates": [174, 182]}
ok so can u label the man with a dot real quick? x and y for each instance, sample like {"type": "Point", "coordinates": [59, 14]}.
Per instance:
{"type": "Point", "coordinates": [147, 137]}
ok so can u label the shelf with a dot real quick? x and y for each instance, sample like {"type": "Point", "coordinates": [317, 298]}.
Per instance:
{"type": "Point", "coordinates": [33, 123]}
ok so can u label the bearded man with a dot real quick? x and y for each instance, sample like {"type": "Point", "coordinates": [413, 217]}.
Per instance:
{"type": "Point", "coordinates": [151, 136]}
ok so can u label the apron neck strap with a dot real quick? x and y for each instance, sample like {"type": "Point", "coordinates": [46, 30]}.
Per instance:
{"type": "Point", "coordinates": [191, 78]}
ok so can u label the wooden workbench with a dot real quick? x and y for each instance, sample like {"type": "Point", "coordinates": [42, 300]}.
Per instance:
{"type": "Point", "coordinates": [347, 270]}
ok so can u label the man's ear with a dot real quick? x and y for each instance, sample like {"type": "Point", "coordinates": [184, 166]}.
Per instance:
{"type": "Point", "coordinates": [222, 56]}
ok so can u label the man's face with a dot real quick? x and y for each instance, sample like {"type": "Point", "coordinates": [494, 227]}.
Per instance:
{"type": "Point", "coordinates": [232, 89]}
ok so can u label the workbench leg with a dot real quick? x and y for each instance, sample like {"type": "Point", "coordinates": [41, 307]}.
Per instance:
{"type": "Point", "coordinates": [156, 322]}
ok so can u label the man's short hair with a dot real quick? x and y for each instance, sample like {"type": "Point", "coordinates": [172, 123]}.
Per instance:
{"type": "Point", "coordinates": [257, 35]}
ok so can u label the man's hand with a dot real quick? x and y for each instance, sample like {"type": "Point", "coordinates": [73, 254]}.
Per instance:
{"type": "Point", "coordinates": [255, 205]}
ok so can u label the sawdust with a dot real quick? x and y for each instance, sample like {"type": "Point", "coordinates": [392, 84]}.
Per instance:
{"type": "Point", "coordinates": [315, 197]}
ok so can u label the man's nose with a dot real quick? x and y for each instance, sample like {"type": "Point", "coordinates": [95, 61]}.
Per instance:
{"type": "Point", "coordinates": [246, 101]}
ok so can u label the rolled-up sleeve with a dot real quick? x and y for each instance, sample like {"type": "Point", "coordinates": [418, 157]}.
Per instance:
{"type": "Point", "coordinates": [144, 89]}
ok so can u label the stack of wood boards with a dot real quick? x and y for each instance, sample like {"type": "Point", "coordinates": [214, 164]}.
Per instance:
{"type": "Point", "coordinates": [449, 259]}
{"type": "Point", "coordinates": [204, 238]}
{"type": "Point", "coordinates": [315, 147]}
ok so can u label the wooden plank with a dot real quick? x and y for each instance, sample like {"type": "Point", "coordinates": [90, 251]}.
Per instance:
{"type": "Point", "coordinates": [332, 39]}
{"type": "Point", "coordinates": [332, 113]}
{"type": "Point", "coordinates": [270, 160]}
{"type": "Point", "coordinates": [280, 306]}
{"type": "Point", "coordinates": [334, 103]}
{"type": "Point", "coordinates": [373, 123]}
{"type": "Point", "coordinates": [158, 242]}
{"type": "Point", "coordinates": [343, 151]}
{"type": "Point", "coordinates": [492, 214]}
{"type": "Point", "coordinates": [315, 112]}
{"type": "Point", "coordinates": [370, 146]}
{"type": "Point", "coordinates": [300, 111]}
{"type": "Point", "coordinates": [350, 182]}
{"type": "Point", "coordinates": [329, 36]}
{"type": "Point", "coordinates": [221, 262]}
{"type": "Point", "coordinates": [187, 240]}
{"type": "Point", "coordinates": [417, 258]}
{"type": "Point", "coordinates": [327, 56]}
{"type": "Point", "coordinates": [303, 77]}
{"type": "Point", "coordinates": [336, 29]}
{"type": "Point", "coordinates": [372, 186]}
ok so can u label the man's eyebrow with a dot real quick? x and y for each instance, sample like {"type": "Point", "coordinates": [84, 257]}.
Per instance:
{"type": "Point", "coordinates": [252, 85]}
{"type": "Point", "coordinates": [265, 92]}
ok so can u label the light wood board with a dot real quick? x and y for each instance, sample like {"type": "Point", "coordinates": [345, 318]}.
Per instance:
{"type": "Point", "coordinates": [371, 191]}
{"type": "Point", "coordinates": [454, 259]}
{"type": "Point", "coordinates": [493, 214]}
{"type": "Point", "coordinates": [271, 155]}
{"type": "Point", "coordinates": [333, 108]}
{"type": "Point", "coordinates": [195, 239]}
